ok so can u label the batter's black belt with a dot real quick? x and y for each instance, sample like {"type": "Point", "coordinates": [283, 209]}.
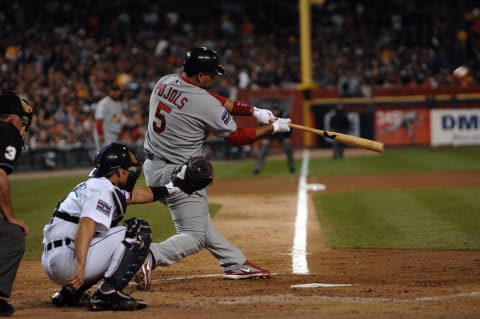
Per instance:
{"type": "Point", "coordinates": [57, 243]}
{"type": "Point", "coordinates": [154, 157]}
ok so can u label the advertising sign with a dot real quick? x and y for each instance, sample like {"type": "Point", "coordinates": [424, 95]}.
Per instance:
{"type": "Point", "coordinates": [402, 126]}
{"type": "Point", "coordinates": [455, 127]}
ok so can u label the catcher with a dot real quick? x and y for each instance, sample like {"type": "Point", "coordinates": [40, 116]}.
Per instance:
{"type": "Point", "coordinates": [83, 242]}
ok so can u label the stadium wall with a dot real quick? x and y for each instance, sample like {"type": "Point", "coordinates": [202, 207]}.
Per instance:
{"type": "Point", "coordinates": [394, 116]}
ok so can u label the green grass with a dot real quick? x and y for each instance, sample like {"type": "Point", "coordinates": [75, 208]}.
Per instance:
{"type": "Point", "coordinates": [393, 160]}
{"type": "Point", "coordinates": [406, 219]}
{"type": "Point", "coordinates": [440, 219]}
{"type": "Point", "coordinates": [402, 160]}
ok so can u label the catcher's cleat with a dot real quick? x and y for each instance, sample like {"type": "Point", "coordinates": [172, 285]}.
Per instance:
{"type": "Point", "coordinates": [247, 271]}
{"type": "Point", "coordinates": [114, 301]}
{"type": "Point", "coordinates": [69, 298]}
{"type": "Point", "coordinates": [6, 309]}
{"type": "Point", "coordinates": [143, 278]}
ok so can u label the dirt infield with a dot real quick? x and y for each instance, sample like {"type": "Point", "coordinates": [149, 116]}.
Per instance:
{"type": "Point", "coordinates": [258, 215]}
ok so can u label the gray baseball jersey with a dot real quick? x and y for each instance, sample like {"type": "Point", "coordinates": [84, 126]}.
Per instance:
{"type": "Point", "coordinates": [111, 112]}
{"type": "Point", "coordinates": [181, 116]}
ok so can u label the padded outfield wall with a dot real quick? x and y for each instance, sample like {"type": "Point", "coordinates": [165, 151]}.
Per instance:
{"type": "Point", "coordinates": [394, 116]}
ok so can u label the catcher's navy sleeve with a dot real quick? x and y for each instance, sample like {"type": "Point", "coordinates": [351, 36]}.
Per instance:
{"type": "Point", "coordinates": [159, 192]}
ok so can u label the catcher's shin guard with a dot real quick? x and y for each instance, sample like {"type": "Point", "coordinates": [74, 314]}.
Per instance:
{"type": "Point", "coordinates": [129, 257]}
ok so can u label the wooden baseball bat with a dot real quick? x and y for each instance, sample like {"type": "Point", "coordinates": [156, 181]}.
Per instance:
{"type": "Point", "coordinates": [343, 138]}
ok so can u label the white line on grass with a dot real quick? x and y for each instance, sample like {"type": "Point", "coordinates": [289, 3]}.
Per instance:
{"type": "Point", "coordinates": [299, 249]}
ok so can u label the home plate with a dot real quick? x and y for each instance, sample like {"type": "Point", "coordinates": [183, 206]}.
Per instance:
{"type": "Point", "coordinates": [315, 285]}
{"type": "Point", "coordinates": [316, 187]}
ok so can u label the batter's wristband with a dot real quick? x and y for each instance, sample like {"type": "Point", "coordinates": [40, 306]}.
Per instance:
{"type": "Point", "coordinates": [241, 108]}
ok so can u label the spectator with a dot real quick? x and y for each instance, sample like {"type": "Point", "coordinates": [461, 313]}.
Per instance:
{"type": "Point", "coordinates": [339, 123]}
{"type": "Point", "coordinates": [73, 56]}
{"type": "Point", "coordinates": [283, 138]}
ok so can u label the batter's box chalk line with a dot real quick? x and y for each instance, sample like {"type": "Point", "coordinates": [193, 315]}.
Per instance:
{"type": "Point", "coordinates": [315, 187]}
{"type": "Point", "coordinates": [319, 285]}
{"type": "Point", "coordinates": [179, 278]}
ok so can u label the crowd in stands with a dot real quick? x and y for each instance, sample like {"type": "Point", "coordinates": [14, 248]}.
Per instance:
{"type": "Point", "coordinates": [64, 55]}
{"type": "Point", "coordinates": [362, 44]}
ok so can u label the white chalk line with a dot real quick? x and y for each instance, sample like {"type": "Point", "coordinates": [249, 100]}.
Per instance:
{"type": "Point", "coordinates": [299, 249]}
{"type": "Point", "coordinates": [180, 278]}
{"type": "Point", "coordinates": [319, 285]}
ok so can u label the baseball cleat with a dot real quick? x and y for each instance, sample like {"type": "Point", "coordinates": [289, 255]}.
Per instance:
{"type": "Point", "coordinates": [6, 309]}
{"type": "Point", "coordinates": [143, 278]}
{"type": "Point", "coordinates": [114, 301]}
{"type": "Point", "coordinates": [247, 271]}
{"type": "Point", "coordinates": [69, 298]}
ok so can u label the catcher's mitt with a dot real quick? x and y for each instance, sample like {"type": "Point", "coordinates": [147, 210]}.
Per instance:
{"type": "Point", "coordinates": [193, 175]}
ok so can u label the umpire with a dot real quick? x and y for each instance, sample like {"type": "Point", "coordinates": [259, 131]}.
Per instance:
{"type": "Point", "coordinates": [15, 118]}
{"type": "Point", "coordinates": [340, 123]}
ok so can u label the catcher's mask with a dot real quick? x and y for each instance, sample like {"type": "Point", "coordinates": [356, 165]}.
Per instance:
{"type": "Point", "coordinates": [113, 156]}
{"type": "Point", "coordinates": [11, 103]}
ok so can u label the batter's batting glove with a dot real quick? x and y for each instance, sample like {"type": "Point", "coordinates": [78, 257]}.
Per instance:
{"type": "Point", "coordinates": [263, 116]}
{"type": "Point", "coordinates": [193, 175]}
{"type": "Point", "coordinates": [281, 125]}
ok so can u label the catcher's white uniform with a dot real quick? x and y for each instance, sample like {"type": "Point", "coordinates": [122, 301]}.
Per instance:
{"type": "Point", "coordinates": [95, 199]}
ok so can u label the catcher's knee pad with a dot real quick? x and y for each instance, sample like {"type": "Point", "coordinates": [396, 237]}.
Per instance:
{"type": "Point", "coordinates": [138, 232]}
{"type": "Point", "coordinates": [130, 256]}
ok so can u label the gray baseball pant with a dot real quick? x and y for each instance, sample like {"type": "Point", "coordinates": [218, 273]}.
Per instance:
{"type": "Point", "coordinates": [12, 247]}
{"type": "Point", "coordinates": [195, 229]}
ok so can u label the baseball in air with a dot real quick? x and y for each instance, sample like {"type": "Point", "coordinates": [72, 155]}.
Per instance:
{"type": "Point", "coordinates": [460, 72]}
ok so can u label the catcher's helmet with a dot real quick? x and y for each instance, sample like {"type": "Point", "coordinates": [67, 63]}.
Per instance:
{"type": "Point", "coordinates": [11, 103]}
{"type": "Point", "coordinates": [112, 156]}
{"type": "Point", "coordinates": [202, 60]}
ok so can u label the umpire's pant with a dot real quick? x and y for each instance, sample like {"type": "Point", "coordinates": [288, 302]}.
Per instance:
{"type": "Point", "coordinates": [12, 247]}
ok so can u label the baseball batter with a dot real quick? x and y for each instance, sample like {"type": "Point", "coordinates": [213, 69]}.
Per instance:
{"type": "Point", "coordinates": [109, 117]}
{"type": "Point", "coordinates": [182, 114]}
{"type": "Point", "coordinates": [83, 243]}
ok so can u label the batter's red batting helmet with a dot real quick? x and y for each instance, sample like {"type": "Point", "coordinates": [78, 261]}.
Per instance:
{"type": "Point", "coordinates": [202, 60]}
